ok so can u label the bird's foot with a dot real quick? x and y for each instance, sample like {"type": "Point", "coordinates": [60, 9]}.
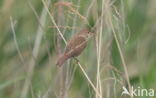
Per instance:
{"type": "Point", "coordinates": [77, 61]}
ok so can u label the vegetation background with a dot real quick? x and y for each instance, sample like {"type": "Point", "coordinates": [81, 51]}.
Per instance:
{"type": "Point", "coordinates": [28, 56]}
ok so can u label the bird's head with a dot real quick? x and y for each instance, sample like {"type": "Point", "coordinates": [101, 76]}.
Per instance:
{"type": "Point", "coordinates": [86, 33]}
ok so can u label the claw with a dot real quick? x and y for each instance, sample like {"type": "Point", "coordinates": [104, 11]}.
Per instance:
{"type": "Point", "coordinates": [77, 61]}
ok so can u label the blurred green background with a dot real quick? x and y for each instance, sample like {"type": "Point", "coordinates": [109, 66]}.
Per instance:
{"type": "Point", "coordinates": [139, 48]}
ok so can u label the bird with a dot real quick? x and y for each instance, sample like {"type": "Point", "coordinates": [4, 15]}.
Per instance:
{"type": "Point", "coordinates": [75, 46]}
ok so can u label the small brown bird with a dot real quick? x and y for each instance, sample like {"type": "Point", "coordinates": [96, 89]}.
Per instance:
{"type": "Point", "coordinates": [75, 46]}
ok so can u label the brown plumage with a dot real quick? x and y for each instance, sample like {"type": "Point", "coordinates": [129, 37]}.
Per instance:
{"type": "Point", "coordinates": [75, 46]}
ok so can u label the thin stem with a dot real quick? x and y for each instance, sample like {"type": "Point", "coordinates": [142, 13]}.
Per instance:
{"type": "Point", "coordinates": [75, 18]}
{"type": "Point", "coordinates": [99, 86]}
{"type": "Point", "coordinates": [35, 53]}
{"type": "Point", "coordinates": [121, 55]}
{"type": "Point", "coordinates": [53, 20]}
{"type": "Point", "coordinates": [16, 44]}
{"type": "Point", "coordinates": [89, 8]}
{"type": "Point", "coordinates": [109, 65]}
{"type": "Point", "coordinates": [59, 49]}
{"type": "Point", "coordinates": [89, 80]}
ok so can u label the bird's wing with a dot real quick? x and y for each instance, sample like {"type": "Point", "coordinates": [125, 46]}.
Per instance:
{"type": "Point", "coordinates": [75, 42]}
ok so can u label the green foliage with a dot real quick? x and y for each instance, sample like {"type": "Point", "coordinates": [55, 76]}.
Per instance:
{"type": "Point", "coordinates": [139, 51]}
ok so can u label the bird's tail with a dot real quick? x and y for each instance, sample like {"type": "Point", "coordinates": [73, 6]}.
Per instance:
{"type": "Point", "coordinates": [61, 60]}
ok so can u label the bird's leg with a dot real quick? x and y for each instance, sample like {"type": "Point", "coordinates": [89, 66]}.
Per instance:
{"type": "Point", "coordinates": [77, 61]}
